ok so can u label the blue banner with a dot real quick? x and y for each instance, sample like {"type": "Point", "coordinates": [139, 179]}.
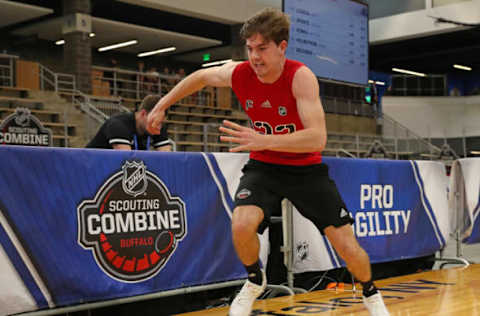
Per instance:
{"type": "Point", "coordinates": [475, 236]}
{"type": "Point", "coordinates": [388, 202]}
{"type": "Point", "coordinates": [86, 225]}
{"type": "Point", "coordinates": [399, 207]}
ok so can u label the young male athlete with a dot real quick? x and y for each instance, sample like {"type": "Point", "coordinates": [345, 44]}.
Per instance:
{"type": "Point", "coordinates": [281, 97]}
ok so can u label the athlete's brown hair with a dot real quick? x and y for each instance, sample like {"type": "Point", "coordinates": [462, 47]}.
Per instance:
{"type": "Point", "coordinates": [271, 23]}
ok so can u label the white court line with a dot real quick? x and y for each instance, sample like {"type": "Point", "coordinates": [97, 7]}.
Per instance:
{"type": "Point", "coordinates": [26, 260]}
{"type": "Point", "coordinates": [425, 205]}
{"type": "Point", "coordinates": [220, 188]}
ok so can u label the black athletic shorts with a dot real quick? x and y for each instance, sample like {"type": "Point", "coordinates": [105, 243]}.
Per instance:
{"type": "Point", "coordinates": [309, 188]}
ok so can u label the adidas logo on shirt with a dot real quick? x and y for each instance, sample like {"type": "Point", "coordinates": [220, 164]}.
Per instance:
{"type": "Point", "coordinates": [266, 104]}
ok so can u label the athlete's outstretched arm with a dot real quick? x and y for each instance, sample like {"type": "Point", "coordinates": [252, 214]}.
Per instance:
{"type": "Point", "coordinates": [312, 138]}
{"type": "Point", "coordinates": [215, 76]}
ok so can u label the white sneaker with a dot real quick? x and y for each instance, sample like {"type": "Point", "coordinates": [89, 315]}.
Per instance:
{"type": "Point", "coordinates": [375, 305]}
{"type": "Point", "coordinates": [242, 304]}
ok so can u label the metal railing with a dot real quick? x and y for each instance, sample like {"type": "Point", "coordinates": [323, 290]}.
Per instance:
{"type": "Point", "coordinates": [406, 141]}
{"type": "Point", "coordinates": [397, 139]}
{"type": "Point", "coordinates": [348, 107]}
{"type": "Point", "coordinates": [83, 102]}
{"type": "Point", "coordinates": [409, 85]}
{"type": "Point", "coordinates": [120, 82]}
{"type": "Point", "coordinates": [344, 153]}
{"type": "Point", "coordinates": [124, 83]}
{"type": "Point", "coordinates": [94, 117]}
{"type": "Point", "coordinates": [7, 70]}
{"type": "Point", "coordinates": [65, 82]}
{"type": "Point", "coordinates": [390, 140]}
{"type": "Point", "coordinates": [210, 136]}
{"type": "Point", "coordinates": [97, 111]}
{"type": "Point", "coordinates": [58, 82]}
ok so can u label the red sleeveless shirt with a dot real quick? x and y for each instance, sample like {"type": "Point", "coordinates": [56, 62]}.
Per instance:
{"type": "Point", "coordinates": [272, 109]}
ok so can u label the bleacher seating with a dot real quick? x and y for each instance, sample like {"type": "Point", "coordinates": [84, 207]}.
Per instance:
{"type": "Point", "coordinates": [42, 115]}
{"type": "Point", "coordinates": [360, 144]}
{"type": "Point", "coordinates": [194, 118]}
{"type": "Point", "coordinates": [188, 124]}
{"type": "Point", "coordinates": [13, 102]}
{"type": "Point", "coordinates": [193, 122]}
{"type": "Point", "coordinates": [11, 98]}
{"type": "Point", "coordinates": [14, 92]}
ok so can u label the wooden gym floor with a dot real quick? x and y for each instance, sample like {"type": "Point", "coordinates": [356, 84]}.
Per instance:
{"type": "Point", "coordinates": [454, 292]}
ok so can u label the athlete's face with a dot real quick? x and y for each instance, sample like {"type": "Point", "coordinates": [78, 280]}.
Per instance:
{"type": "Point", "coordinates": [266, 58]}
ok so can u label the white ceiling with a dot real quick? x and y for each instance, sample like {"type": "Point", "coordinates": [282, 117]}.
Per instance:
{"type": "Point", "coordinates": [222, 11]}
{"type": "Point", "coordinates": [109, 32]}
{"type": "Point", "coordinates": [14, 12]}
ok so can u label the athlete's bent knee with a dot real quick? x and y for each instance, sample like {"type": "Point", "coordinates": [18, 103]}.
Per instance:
{"type": "Point", "coordinates": [245, 220]}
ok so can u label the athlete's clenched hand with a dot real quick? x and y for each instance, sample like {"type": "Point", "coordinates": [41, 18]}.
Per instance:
{"type": "Point", "coordinates": [154, 121]}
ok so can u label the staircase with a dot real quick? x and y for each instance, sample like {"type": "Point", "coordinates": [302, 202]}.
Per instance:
{"type": "Point", "coordinates": [71, 121]}
{"type": "Point", "coordinates": [47, 107]}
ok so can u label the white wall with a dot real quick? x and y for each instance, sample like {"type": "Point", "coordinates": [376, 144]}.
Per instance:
{"type": "Point", "coordinates": [436, 117]}
{"type": "Point", "coordinates": [418, 23]}
{"type": "Point", "coordinates": [445, 2]}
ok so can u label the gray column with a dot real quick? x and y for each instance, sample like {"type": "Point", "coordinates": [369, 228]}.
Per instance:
{"type": "Point", "coordinates": [238, 45]}
{"type": "Point", "coordinates": [77, 51]}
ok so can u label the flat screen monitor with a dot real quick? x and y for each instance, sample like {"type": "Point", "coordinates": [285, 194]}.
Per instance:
{"type": "Point", "coordinates": [330, 37]}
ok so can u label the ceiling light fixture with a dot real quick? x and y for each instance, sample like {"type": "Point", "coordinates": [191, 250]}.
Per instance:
{"type": "Point", "coordinates": [380, 83]}
{"type": "Point", "coordinates": [215, 63]}
{"type": "Point", "coordinates": [62, 41]}
{"type": "Point", "coordinates": [114, 46]}
{"type": "Point", "coordinates": [462, 67]}
{"type": "Point", "coordinates": [158, 51]}
{"type": "Point", "coordinates": [409, 72]}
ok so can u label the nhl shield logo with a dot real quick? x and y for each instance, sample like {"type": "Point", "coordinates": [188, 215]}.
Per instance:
{"type": "Point", "coordinates": [23, 128]}
{"type": "Point", "coordinates": [22, 117]}
{"type": "Point", "coordinates": [302, 250]}
{"type": "Point", "coordinates": [134, 181]}
{"type": "Point", "coordinates": [282, 111]}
